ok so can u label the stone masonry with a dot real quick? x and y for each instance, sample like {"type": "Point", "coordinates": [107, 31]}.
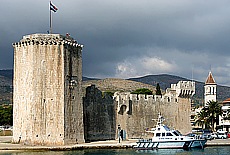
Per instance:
{"type": "Point", "coordinates": [99, 115]}
{"type": "Point", "coordinates": [138, 113]}
{"type": "Point", "coordinates": [47, 107]}
{"type": "Point", "coordinates": [135, 113]}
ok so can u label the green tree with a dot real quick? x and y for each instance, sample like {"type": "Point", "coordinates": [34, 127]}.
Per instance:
{"type": "Point", "coordinates": [142, 91]}
{"type": "Point", "coordinates": [108, 93]}
{"type": "Point", "coordinates": [202, 119]}
{"type": "Point", "coordinates": [208, 116]}
{"type": "Point", "coordinates": [214, 111]}
{"type": "Point", "coordinates": [6, 115]}
{"type": "Point", "coordinates": [158, 89]}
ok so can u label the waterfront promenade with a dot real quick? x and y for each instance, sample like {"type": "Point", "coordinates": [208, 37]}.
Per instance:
{"type": "Point", "coordinates": [5, 144]}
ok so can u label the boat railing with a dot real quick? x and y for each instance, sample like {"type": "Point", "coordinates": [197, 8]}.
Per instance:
{"type": "Point", "coordinates": [144, 140]}
{"type": "Point", "coordinates": [198, 137]}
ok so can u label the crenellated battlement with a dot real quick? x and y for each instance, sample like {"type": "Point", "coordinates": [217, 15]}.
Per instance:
{"type": "Point", "coordinates": [46, 39]}
{"type": "Point", "coordinates": [136, 111]}
{"type": "Point", "coordinates": [183, 89]}
{"type": "Point", "coordinates": [47, 83]}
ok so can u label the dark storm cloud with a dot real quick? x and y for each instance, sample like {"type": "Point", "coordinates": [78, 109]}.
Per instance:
{"type": "Point", "coordinates": [130, 38]}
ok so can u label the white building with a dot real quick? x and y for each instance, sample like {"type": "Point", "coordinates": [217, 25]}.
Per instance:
{"type": "Point", "coordinates": [223, 120]}
{"type": "Point", "coordinates": [209, 89]}
{"type": "Point", "coordinates": [209, 95]}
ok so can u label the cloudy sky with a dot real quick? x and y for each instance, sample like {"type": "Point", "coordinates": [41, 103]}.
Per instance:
{"type": "Point", "coordinates": [130, 38]}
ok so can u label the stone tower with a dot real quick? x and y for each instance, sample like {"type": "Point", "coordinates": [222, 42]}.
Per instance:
{"type": "Point", "coordinates": [47, 106]}
{"type": "Point", "coordinates": [209, 89]}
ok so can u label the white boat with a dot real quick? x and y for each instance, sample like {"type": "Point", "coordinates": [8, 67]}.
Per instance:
{"type": "Point", "coordinates": [164, 138]}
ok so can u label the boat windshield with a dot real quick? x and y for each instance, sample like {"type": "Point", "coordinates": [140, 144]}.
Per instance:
{"type": "Point", "coordinates": [175, 133]}
{"type": "Point", "coordinates": [166, 128]}
{"type": "Point", "coordinates": [178, 132]}
{"type": "Point", "coordinates": [168, 134]}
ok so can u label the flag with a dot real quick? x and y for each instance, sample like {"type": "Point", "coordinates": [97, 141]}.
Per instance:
{"type": "Point", "coordinates": [53, 7]}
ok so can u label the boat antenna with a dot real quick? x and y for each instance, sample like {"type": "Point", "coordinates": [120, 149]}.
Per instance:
{"type": "Point", "coordinates": [160, 119]}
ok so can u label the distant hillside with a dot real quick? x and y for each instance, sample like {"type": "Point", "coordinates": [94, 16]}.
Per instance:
{"type": "Point", "coordinates": [6, 78]}
{"type": "Point", "coordinates": [6, 89]}
{"type": "Point", "coordinates": [113, 85]}
{"type": "Point", "coordinates": [87, 79]}
{"type": "Point", "coordinates": [8, 73]}
{"type": "Point", "coordinates": [150, 81]}
{"type": "Point", "coordinates": [165, 81]}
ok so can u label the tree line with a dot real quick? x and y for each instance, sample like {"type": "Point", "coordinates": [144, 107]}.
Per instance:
{"type": "Point", "coordinates": [147, 91]}
{"type": "Point", "coordinates": [6, 115]}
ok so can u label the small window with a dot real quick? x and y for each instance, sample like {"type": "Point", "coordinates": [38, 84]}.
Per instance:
{"type": "Point", "coordinates": [163, 134]}
{"type": "Point", "coordinates": [175, 133]}
{"type": "Point", "coordinates": [168, 134]}
{"type": "Point", "coordinates": [158, 134]}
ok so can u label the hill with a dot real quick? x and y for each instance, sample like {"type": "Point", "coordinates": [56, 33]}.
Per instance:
{"type": "Point", "coordinates": [165, 81]}
{"type": "Point", "coordinates": [112, 84]}
{"type": "Point", "coordinates": [6, 86]}
{"type": "Point", "coordinates": [6, 77]}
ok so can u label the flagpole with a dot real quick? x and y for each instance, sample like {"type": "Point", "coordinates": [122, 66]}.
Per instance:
{"type": "Point", "coordinates": [50, 20]}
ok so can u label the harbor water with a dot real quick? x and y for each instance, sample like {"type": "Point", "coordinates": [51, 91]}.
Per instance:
{"type": "Point", "coordinates": [215, 150]}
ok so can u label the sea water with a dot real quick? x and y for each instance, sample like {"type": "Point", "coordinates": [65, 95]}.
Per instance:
{"type": "Point", "coordinates": [218, 150]}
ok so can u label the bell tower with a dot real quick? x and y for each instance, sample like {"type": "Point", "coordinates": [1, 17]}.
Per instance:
{"type": "Point", "coordinates": [209, 89]}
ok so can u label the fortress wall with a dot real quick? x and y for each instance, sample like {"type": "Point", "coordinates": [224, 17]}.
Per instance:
{"type": "Point", "coordinates": [133, 113]}
{"type": "Point", "coordinates": [99, 115]}
{"type": "Point", "coordinates": [139, 119]}
{"type": "Point", "coordinates": [37, 81]}
{"type": "Point", "coordinates": [73, 109]}
{"type": "Point", "coordinates": [39, 91]}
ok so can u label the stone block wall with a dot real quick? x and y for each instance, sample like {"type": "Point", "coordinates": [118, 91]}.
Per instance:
{"type": "Point", "coordinates": [138, 113]}
{"type": "Point", "coordinates": [137, 116]}
{"type": "Point", "coordinates": [133, 113]}
{"type": "Point", "coordinates": [99, 115]}
{"type": "Point", "coordinates": [47, 90]}
{"type": "Point", "coordinates": [73, 109]}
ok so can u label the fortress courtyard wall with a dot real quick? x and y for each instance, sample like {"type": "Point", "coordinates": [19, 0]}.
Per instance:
{"type": "Point", "coordinates": [99, 115]}
{"type": "Point", "coordinates": [137, 116]}
{"type": "Point", "coordinates": [133, 113]}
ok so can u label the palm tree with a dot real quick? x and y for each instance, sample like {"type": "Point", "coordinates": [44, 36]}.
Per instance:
{"type": "Point", "coordinates": [214, 111]}
{"type": "Point", "coordinates": [202, 119]}
{"type": "Point", "coordinates": [208, 116]}
{"type": "Point", "coordinates": [228, 114]}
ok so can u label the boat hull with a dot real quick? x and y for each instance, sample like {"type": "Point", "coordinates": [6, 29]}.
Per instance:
{"type": "Point", "coordinates": [148, 145]}
{"type": "Point", "coordinates": [198, 143]}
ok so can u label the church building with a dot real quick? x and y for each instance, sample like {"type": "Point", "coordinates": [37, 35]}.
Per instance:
{"type": "Point", "coordinates": [209, 89]}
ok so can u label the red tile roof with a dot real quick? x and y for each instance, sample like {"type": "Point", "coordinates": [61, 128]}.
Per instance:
{"type": "Point", "coordinates": [210, 79]}
{"type": "Point", "coordinates": [227, 100]}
